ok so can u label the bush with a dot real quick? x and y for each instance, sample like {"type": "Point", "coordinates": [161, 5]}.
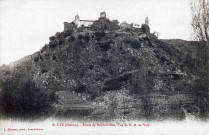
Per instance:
{"type": "Point", "coordinates": [43, 71]}
{"type": "Point", "coordinates": [80, 29]}
{"type": "Point", "coordinates": [127, 29]}
{"type": "Point", "coordinates": [99, 34]}
{"type": "Point", "coordinates": [59, 42]}
{"type": "Point", "coordinates": [58, 34]}
{"type": "Point", "coordinates": [54, 57]}
{"type": "Point", "coordinates": [133, 42]}
{"type": "Point", "coordinates": [105, 24]}
{"type": "Point", "coordinates": [86, 38]}
{"type": "Point", "coordinates": [80, 88]}
{"type": "Point", "coordinates": [80, 36]}
{"type": "Point", "coordinates": [51, 38]}
{"type": "Point", "coordinates": [113, 84]}
{"type": "Point", "coordinates": [68, 32]}
{"type": "Point", "coordinates": [72, 38]}
{"type": "Point", "coordinates": [36, 59]}
{"type": "Point", "coordinates": [52, 44]}
{"type": "Point", "coordinates": [24, 100]}
{"type": "Point", "coordinates": [104, 46]}
{"type": "Point", "coordinates": [41, 58]}
{"type": "Point", "coordinates": [114, 25]}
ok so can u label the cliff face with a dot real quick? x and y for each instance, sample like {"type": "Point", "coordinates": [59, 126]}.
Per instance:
{"type": "Point", "coordinates": [103, 72]}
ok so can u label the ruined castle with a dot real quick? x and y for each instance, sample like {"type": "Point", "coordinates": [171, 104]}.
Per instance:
{"type": "Point", "coordinates": [87, 23]}
{"type": "Point", "coordinates": [79, 23]}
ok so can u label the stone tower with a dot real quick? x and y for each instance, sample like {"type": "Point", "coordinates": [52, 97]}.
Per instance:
{"type": "Point", "coordinates": [77, 21]}
{"type": "Point", "coordinates": [145, 27]}
{"type": "Point", "coordinates": [77, 18]}
{"type": "Point", "coordinates": [147, 21]}
{"type": "Point", "coordinates": [103, 15]}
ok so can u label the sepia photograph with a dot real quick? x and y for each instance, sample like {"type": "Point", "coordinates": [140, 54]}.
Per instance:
{"type": "Point", "coordinates": [104, 67]}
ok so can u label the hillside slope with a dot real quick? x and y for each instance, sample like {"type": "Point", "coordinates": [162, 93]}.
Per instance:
{"type": "Point", "coordinates": [104, 72]}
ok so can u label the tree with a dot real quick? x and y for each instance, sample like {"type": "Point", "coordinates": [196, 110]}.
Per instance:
{"type": "Point", "coordinates": [200, 24]}
{"type": "Point", "coordinates": [200, 19]}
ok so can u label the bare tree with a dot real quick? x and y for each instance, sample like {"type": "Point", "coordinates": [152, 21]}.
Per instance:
{"type": "Point", "coordinates": [200, 24]}
{"type": "Point", "coordinates": [200, 19]}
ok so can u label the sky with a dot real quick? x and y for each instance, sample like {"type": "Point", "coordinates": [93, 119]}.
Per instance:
{"type": "Point", "coordinates": [26, 25]}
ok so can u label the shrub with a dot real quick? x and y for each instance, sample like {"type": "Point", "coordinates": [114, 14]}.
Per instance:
{"type": "Point", "coordinates": [72, 38]}
{"type": "Point", "coordinates": [7, 72]}
{"type": "Point", "coordinates": [105, 24]}
{"type": "Point", "coordinates": [116, 34]}
{"type": "Point", "coordinates": [112, 84]}
{"type": "Point", "coordinates": [99, 34]}
{"type": "Point", "coordinates": [52, 44]}
{"type": "Point", "coordinates": [86, 38]}
{"type": "Point", "coordinates": [113, 25]}
{"type": "Point", "coordinates": [58, 34]}
{"type": "Point", "coordinates": [51, 38]}
{"type": "Point", "coordinates": [59, 42]}
{"type": "Point", "coordinates": [24, 99]}
{"type": "Point", "coordinates": [80, 88]}
{"type": "Point", "coordinates": [133, 42]}
{"type": "Point", "coordinates": [36, 59]}
{"type": "Point", "coordinates": [41, 58]}
{"type": "Point", "coordinates": [54, 57]}
{"type": "Point", "coordinates": [68, 32]}
{"type": "Point", "coordinates": [80, 36]}
{"type": "Point", "coordinates": [127, 29]}
{"type": "Point", "coordinates": [43, 71]}
{"type": "Point", "coordinates": [91, 67]}
{"type": "Point", "coordinates": [80, 29]}
{"type": "Point", "coordinates": [98, 39]}
{"type": "Point", "coordinates": [104, 46]}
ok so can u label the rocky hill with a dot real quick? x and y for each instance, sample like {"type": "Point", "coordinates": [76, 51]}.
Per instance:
{"type": "Point", "coordinates": [104, 72]}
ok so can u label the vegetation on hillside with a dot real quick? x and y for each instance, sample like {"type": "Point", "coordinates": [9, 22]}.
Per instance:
{"type": "Point", "coordinates": [109, 71]}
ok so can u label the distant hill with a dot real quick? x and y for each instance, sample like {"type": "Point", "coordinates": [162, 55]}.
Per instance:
{"type": "Point", "coordinates": [187, 46]}
{"type": "Point", "coordinates": [106, 71]}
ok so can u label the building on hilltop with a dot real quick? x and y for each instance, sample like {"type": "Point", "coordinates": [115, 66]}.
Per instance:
{"type": "Point", "coordinates": [136, 25]}
{"type": "Point", "coordinates": [147, 21]}
{"type": "Point", "coordinates": [68, 25]}
{"type": "Point", "coordinates": [125, 25]}
{"type": "Point", "coordinates": [103, 15]}
{"type": "Point", "coordinates": [86, 23]}
{"type": "Point", "coordinates": [145, 27]}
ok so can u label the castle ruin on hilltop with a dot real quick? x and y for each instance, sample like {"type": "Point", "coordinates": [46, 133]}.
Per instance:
{"type": "Point", "coordinates": [79, 23]}
{"type": "Point", "coordinates": [88, 23]}
{"type": "Point", "coordinates": [147, 21]}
